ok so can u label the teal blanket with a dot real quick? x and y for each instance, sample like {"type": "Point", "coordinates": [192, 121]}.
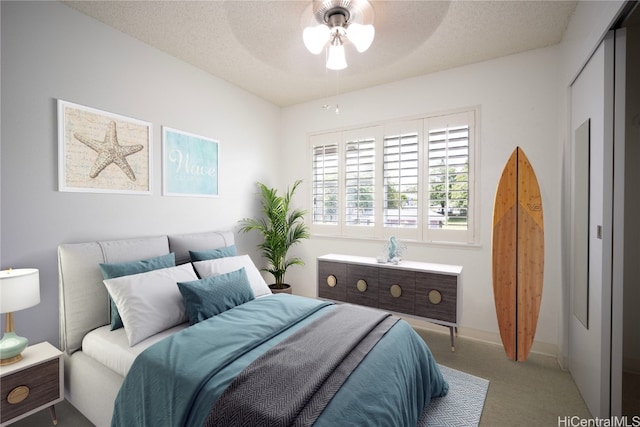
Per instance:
{"type": "Point", "coordinates": [177, 381]}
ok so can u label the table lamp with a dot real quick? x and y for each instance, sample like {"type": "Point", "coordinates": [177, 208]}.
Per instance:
{"type": "Point", "coordinates": [19, 289]}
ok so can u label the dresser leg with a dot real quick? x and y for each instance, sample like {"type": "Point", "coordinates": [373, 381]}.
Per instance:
{"type": "Point", "coordinates": [54, 417]}
{"type": "Point", "coordinates": [453, 348]}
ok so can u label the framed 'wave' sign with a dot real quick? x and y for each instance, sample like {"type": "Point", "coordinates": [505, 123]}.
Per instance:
{"type": "Point", "coordinates": [190, 164]}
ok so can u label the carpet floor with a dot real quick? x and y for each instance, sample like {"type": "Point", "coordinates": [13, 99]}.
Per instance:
{"type": "Point", "coordinates": [532, 393]}
{"type": "Point", "coordinates": [462, 406]}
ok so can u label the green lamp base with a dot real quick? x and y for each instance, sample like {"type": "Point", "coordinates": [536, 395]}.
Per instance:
{"type": "Point", "coordinates": [11, 345]}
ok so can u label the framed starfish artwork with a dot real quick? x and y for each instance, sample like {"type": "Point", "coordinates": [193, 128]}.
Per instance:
{"type": "Point", "coordinates": [102, 152]}
{"type": "Point", "coordinates": [190, 164]}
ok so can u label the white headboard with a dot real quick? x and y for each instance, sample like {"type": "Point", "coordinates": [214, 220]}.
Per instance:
{"type": "Point", "coordinates": [84, 302]}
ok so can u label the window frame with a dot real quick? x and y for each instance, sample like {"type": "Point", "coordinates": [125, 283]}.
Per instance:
{"type": "Point", "coordinates": [382, 131]}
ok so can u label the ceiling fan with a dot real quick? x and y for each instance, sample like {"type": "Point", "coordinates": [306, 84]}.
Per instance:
{"type": "Point", "coordinates": [334, 22]}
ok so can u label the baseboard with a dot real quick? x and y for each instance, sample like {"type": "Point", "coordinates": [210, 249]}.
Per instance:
{"type": "Point", "coordinates": [546, 349]}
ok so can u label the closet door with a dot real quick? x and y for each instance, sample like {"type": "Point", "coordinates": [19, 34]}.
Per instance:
{"type": "Point", "coordinates": [592, 110]}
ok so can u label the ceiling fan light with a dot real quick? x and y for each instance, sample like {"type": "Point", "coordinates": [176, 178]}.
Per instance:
{"type": "Point", "coordinates": [336, 59]}
{"type": "Point", "coordinates": [360, 35]}
{"type": "Point", "coordinates": [315, 38]}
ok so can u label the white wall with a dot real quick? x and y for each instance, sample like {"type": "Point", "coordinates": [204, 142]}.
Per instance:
{"type": "Point", "coordinates": [518, 97]}
{"type": "Point", "coordinates": [50, 51]}
{"type": "Point", "coordinates": [589, 23]}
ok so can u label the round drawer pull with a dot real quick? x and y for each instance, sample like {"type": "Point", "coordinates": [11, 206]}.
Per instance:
{"type": "Point", "coordinates": [332, 280]}
{"type": "Point", "coordinates": [396, 291]}
{"type": "Point", "coordinates": [18, 394]}
{"type": "Point", "coordinates": [435, 297]}
{"type": "Point", "coordinates": [361, 285]}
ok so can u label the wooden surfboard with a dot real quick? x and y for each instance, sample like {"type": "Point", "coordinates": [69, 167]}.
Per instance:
{"type": "Point", "coordinates": [518, 255]}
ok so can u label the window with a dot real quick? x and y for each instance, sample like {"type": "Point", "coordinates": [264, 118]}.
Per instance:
{"type": "Point", "coordinates": [412, 179]}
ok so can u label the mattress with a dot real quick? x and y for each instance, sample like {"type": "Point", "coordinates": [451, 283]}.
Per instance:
{"type": "Point", "coordinates": [111, 348]}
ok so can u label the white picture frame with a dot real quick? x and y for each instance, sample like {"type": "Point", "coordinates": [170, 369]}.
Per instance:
{"type": "Point", "coordinates": [103, 152]}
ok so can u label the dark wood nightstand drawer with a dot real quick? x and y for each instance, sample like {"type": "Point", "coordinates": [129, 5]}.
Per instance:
{"type": "Point", "coordinates": [42, 382]}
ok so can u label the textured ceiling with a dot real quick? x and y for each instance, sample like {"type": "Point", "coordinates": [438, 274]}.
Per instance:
{"type": "Point", "coordinates": [257, 45]}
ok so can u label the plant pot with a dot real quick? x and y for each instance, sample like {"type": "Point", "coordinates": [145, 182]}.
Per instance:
{"type": "Point", "coordinates": [285, 290]}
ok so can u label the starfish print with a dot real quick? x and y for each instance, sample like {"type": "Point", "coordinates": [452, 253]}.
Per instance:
{"type": "Point", "coordinates": [109, 151]}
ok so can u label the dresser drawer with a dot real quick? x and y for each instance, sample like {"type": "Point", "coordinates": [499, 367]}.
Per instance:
{"type": "Point", "coordinates": [41, 381]}
{"type": "Point", "coordinates": [332, 280]}
{"type": "Point", "coordinates": [397, 290]}
{"type": "Point", "coordinates": [436, 296]}
{"type": "Point", "coordinates": [362, 285]}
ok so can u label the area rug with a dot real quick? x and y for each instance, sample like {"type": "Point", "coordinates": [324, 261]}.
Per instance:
{"type": "Point", "coordinates": [462, 406]}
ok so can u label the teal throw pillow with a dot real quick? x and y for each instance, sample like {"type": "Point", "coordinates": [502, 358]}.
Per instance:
{"type": "Point", "coordinates": [213, 253]}
{"type": "Point", "coordinates": [111, 271]}
{"type": "Point", "coordinates": [211, 296]}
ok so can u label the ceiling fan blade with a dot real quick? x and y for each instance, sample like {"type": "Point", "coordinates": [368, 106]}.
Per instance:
{"type": "Point", "coordinates": [315, 38]}
{"type": "Point", "coordinates": [360, 35]}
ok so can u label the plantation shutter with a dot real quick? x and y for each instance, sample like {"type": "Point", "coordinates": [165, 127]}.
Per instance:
{"type": "Point", "coordinates": [401, 174]}
{"type": "Point", "coordinates": [325, 182]}
{"type": "Point", "coordinates": [360, 182]}
{"type": "Point", "coordinates": [449, 161]}
{"type": "Point", "coordinates": [412, 179]}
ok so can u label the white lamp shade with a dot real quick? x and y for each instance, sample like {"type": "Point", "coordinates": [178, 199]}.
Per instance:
{"type": "Point", "coordinates": [360, 35]}
{"type": "Point", "coordinates": [19, 289]}
{"type": "Point", "coordinates": [315, 38]}
{"type": "Point", "coordinates": [336, 59]}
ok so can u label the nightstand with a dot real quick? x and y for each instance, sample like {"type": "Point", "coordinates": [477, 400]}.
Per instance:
{"type": "Point", "coordinates": [32, 384]}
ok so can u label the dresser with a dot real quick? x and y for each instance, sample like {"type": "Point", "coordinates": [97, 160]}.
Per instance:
{"type": "Point", "coordinates": [429, 291]}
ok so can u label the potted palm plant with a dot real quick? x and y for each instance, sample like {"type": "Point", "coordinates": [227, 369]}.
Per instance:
{"type": "Point", "coordinates": [281, 227]}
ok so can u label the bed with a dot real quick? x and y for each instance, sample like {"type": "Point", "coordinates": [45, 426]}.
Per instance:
{"type": "Point", "coordinates": [205, 342]}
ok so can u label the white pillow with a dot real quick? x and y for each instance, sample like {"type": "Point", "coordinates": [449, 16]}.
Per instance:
{"type": "Point", "coordinates": [150, 302]}
{"type": "Point", "coordinates": [215, 267]}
